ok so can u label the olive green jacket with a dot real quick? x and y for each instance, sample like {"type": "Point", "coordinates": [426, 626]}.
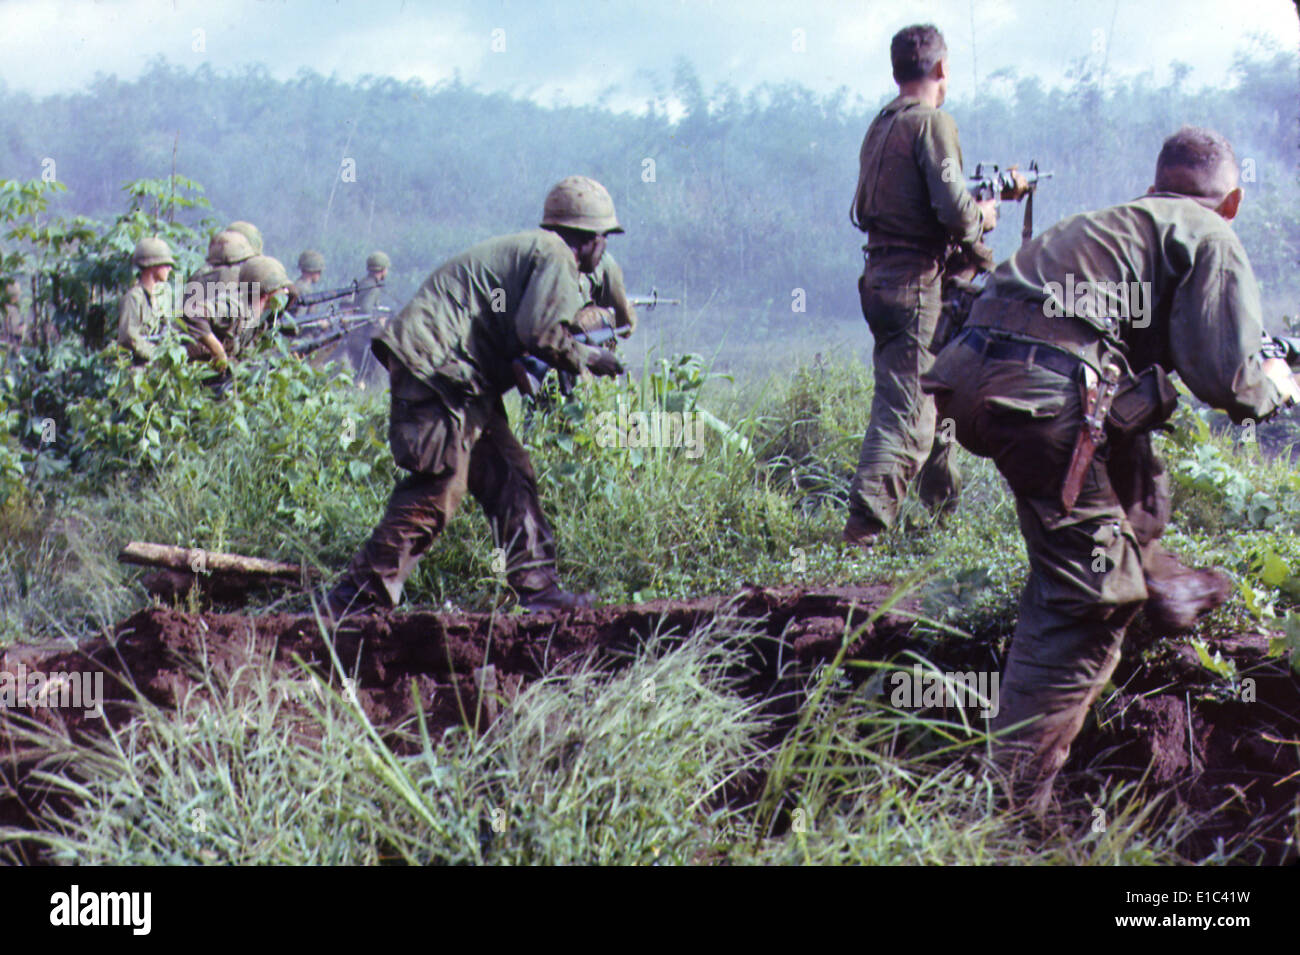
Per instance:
{"type": "Point", "coordinates": [1164, 277]}
{"type": "Point", "coordinates": [478, 312]}
{"type": "Point", "coordinates": [911, 184]}
{"type": "Point", "coordinates": [141, 316]}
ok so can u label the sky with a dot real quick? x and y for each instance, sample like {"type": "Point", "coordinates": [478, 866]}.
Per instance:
{"type": "Point", "coordinates": [621, 53]}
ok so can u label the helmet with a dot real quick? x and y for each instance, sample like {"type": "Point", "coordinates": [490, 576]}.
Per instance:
{"type": "Point", "coordinates": [377, 261]}
{"type": "Point", "coordinates": [152, 251]}
{"type": "Point", "coordinates": [580, 203]}
{"type": "Point", "coordinates": [311, 261]}
{"type": "Point", "coordinates": [267, 272]}
{"type": "Point", "coordinates": [229, 248]}
{"type": "Point", "coordinates": [249, 232]}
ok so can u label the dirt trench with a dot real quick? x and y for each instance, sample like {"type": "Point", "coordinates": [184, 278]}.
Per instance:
{"type": "Point", "coordinates": [1228, 758]}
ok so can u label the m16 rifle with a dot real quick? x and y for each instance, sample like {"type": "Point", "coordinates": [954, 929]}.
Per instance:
{"type": "Point", "coordinates": [531, 372]}
{"type": "Point", "coordinates": [992, 182]}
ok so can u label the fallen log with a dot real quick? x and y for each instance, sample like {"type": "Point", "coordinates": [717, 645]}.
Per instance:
{"type": "Point", "coordinates": [223, 576]}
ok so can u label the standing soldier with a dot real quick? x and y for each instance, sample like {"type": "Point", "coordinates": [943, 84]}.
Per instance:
{"type": "Point", "coordinates": [310, 266]}
{"type": "Point", "coordinates": [912, 202]}
{"type": "Point", "coordinates": [147, 305]}
{"type": "Point", "coordinates": [370, 289]}
{"type": "Point", "coordinates": [1059, 377]}
{"type": "Point", "coordinates": [231, 320]}
{"type": "Point", "coordinates": [449, 354]}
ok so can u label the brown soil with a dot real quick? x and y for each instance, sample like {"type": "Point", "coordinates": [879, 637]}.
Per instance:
{"type": "Point", "coordinates": [1231, 765]}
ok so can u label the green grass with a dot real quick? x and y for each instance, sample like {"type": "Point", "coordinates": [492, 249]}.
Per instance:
{"type": "Point", "coordinates": [581, 768]}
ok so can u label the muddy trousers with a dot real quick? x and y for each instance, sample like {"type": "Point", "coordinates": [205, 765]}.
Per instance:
{"type": "Point", "coordinates": [451, 450]}
{"type": "Point", "coordinates": [1086, 578]}
{"type": "Point", "coordinates": [901, 299]}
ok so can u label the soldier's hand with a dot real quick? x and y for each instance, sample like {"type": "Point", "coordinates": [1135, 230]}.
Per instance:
{"type": "Point", "coordinates": [604, 362]}
{"type": "Point", "coordinates": [989, 211]}
{"type": "Point", "coordinates": [1019, 188]}
{"type": "Point", "coordinates": [592, 318]}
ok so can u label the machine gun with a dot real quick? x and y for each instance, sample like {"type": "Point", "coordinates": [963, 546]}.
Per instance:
{"type": "Point", "coordinates": [992, 182]}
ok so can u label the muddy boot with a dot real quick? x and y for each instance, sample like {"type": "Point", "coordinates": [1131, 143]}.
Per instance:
{"type": "Point", "coordinates": [1178, 595]}
{"type": "Point", "coordinates": [553, 598]}
{"type": "Point", "coordinates": [862, 531]}
{"type": "Point", "coordinates": [347, 598]}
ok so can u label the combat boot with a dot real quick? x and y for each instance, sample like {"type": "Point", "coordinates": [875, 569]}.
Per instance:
{"type": "Point", "coordinates": [1178, 595]}
{"type": "Point", "coordinates": [554, 598]}
{"type": "Point", "coordinates": [862, 531]}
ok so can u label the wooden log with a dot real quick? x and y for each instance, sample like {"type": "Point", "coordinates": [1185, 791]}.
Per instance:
{"type": "Point", "coordinates": [194, 560]}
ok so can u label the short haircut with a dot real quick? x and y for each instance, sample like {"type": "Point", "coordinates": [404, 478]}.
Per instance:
{"type": "Point", "coordinates": [914, 51]}
{"type": "Point", "coordinates": [1196, 162]}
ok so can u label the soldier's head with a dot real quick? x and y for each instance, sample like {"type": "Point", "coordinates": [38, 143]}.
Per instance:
{"type": "Point", "coordinates": [250, 232]}
{"type": "Point", "coordinates": [153, 259]}
{"type": "Point", "coordinates": [311, 264]}
{"type": "Point", "coordinates": [260, 279]}
{"type": "Point", "coordinates": [377, 264]}
{"type": "Point", "coordinates": [229, 248]}
{"type": "Point", "coordinates": [581, 212]}
{"type": "Point", "coordinates": [1200, 163]}
{"type": "Point", "coordinates": [920, 60]}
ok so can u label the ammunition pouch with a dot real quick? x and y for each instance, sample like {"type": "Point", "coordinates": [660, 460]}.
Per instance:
{"type": "Point", "coordinates": [1142, 403]}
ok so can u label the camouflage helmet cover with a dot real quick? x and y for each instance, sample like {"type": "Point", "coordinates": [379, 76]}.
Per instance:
{"type": "Point", "coordinates": [152, 251]}
{"type": "Point", "coordinates": [229, 248]}
{"type": "Point", "coordinates": [376, 261]}
{"type": "Point", "coordinates": [577, 202]}
{"type": "Point", "coordinates": [267, 272]}
{"type": "Point", "coordinates": [311, 261]}
{"type": "Point", "coordinates": [250, 232]}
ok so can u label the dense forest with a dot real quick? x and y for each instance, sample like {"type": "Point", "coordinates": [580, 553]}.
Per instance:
{"type": "Point", "coordinates": [738, 202]}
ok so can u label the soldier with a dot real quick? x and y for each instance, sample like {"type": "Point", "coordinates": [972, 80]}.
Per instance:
{"type": "Point", "coordinates": [605, 289]}
{"type": "Point", "coordinates": [250, 232]}
{"type": "Point", "coordinates": [13, 324]}
{"type": "Point", "coordinates": [449, 354]}
{"type": "Point", "coordinates": [310, 266]}
{"type": "Point", "coordinates": [912, 202]}
{"type": "Point", "coordinates": [370, 289]}
{"type": "Point", "coordinates": [213, 285]}
{"type": "Point", "coordinates": [147, 305]}
{"type": "Point", "coordinates": [232, 319]}
{"type": "Point", "coordinates": [1159, 283]}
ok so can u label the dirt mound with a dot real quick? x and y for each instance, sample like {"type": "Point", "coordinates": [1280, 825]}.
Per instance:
{"type": "Point", "coordinates": [1229, 757]}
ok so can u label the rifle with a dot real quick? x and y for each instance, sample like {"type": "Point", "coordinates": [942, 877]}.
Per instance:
{"type": "Point", "coordinates": [354, 287]}
{"type": "Point", "coordinates": [1001, 184]}
{"type": "Point", "coordinates": [648, 302]}
{"type": "Point", "coordinates": [1280, 346]}
{"type": "Point", "coordinates": [530, 371]}
{"type": "Point", "coordinates": [337, 327]}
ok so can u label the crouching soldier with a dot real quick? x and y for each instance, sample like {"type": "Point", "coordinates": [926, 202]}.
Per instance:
{"type": "Point", "coordinates": [231, 318]}
{"type": "Point", "coordinates": [449, 355]}
{"type": "Point", "coordinates": [1059, 376]}
{"type": "Point", "coordinates": [147, 306]}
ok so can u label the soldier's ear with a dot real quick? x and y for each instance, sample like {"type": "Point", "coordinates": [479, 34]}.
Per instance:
{"type": "Point", "coordinates": [939, 70]}
{"type": "Point", "coordinates": [1230, 204]}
